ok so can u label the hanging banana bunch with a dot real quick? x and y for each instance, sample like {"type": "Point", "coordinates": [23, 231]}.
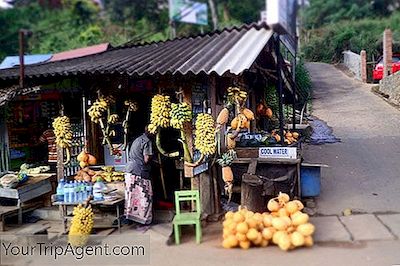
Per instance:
{"type": "Point", "coordinates": [160, 118]}
{"type": "Point", "coordinates": [99, 110]}
{"type": "Point", "coordinates": [132, 106]}
{"type": "Point", "coordinates": [160, 112]}
{"type": "Point", "coordinates": [181, 113]}
{"type": "Point", "coordinates": [63, 133]}
{"type": "Point", "coordinates": [204, 140]}
{"type": "Point", "coordinates": [236, 95]}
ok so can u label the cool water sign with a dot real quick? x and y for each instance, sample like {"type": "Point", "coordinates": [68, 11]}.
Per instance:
{"type": "Point", "coordinates": [278, 152]}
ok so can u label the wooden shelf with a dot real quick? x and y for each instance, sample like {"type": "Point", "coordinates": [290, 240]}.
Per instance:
{"type": "Point", "coordinates": [268, 161]}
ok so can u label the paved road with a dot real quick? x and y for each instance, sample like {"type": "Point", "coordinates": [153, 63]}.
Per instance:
{"type": "Point", "coordinates": [365, 167]}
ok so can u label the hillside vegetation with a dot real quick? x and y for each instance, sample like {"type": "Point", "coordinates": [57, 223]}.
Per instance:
{"type": "Point", "coordinates": [333, 26]}
{"type": "Point", "coordinates": [59, 25]}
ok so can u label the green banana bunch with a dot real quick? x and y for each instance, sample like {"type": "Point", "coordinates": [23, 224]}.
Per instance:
{"type": "Point", "coordinates": [180, 114]}
{"type": "Point", "coordinates": [205, 134]}
{"type": "Point", "coordinates": [63, 133]}
{"type": "Point", "coordinates": [160, 112]}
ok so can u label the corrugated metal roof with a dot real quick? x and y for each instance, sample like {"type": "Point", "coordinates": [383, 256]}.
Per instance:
{"type": "Point", "coordinates": [80, 52]}
{"type": "Point", "coordinates": [231, 50]}
{"type": "Point", "coordinates": [12, 61]}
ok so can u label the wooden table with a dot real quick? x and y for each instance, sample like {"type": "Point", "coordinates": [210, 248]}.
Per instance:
{"type": "Point", "coordinates": [36, 186]}
{"type": "Point", "coordinates": [99, 204]}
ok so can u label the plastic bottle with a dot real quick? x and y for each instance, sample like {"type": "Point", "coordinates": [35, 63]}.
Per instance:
{"type": "Point", "coordinates": [89, 189]}
{"type": "Point", "coordinates": [84, 191]}
{"type": "Point", "coordinates": [66, 192]}
{"type": "Point", "coordinates": [71, 192]}
{"type": "Point", "coordinates": [98, 188]}
{"type": "Point", "coordinates": [60, 191]}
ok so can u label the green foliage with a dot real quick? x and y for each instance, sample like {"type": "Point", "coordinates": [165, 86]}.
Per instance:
{"type": "Point", "coordinates": [303, 79]}
{"type": "Point", "coordinates": [272, 99]}
{"type": "Point", "coordinates": [78, 23]}
{"type": "Point", "coordinates": [324, 12]}
{"type": "Point", "coordinates": [327, 43]}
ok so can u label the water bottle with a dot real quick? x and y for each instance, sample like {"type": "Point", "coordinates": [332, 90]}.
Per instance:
{"type": "Point", "coordinates": [89, 189]}
{"type": "Point", "coordinates": [66, 192]}
{"type": "Point", "coordinates": [71, 192]}
{"type": "Point", "coordinates": [83, 191]}
{"type": "Point", "coordinates": [78, 192]}
{"type": "Point", "coordinates": [98, 190]}
{"type": "Point", "coordinates": [60, 191]}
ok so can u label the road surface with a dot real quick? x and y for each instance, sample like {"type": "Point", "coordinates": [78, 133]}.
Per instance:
{"type": "Point", "coordinates": [364, 172]}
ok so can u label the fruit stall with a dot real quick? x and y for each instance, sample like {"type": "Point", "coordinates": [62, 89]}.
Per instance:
{"type": "Point", "coordinates": [212, 115]}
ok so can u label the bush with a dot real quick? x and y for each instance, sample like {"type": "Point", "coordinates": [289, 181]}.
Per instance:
{"type": "Point", "coordinates": [326, 44]}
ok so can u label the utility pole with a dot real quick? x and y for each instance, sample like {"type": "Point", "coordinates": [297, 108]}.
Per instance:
{"type": "Point", "coordinates": [21, 34]}
{"type": "Point", "coordinates": [214, 15]}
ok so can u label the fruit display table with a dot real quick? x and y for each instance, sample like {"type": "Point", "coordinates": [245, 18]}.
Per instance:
{"type": "Point", "coordinates": [36, 186]}
{"type": "Point", "coordinates": [115, 204]}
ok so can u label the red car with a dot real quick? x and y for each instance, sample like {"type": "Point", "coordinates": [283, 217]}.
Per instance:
{"type": "Point", "coordinates": [377, 73]}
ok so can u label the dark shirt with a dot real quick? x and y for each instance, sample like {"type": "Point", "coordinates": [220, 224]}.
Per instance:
{"type": "Point", "coordinates": [140, 147]}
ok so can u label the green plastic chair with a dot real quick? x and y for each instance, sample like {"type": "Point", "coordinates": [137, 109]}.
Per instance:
{"type": "Point", "coordinates": [187, 218]}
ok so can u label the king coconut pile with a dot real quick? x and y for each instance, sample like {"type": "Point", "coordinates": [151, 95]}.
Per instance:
{"type": "Point", "coordinates": [285, 226]}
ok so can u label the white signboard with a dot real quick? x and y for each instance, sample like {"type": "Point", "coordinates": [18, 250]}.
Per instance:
{"type": "Point", "coordinates": [281, 15]}
{"type": "Point", "coordinates": [278, 152]}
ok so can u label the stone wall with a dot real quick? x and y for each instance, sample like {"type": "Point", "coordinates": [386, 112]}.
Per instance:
{"type": "Point", "coordinates": [353, 62]}
{"type": "Point", "coordinates": [390, 86]}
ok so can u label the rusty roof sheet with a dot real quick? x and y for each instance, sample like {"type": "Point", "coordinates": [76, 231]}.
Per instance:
{"type": "Point", "coordinates": [231, 50]}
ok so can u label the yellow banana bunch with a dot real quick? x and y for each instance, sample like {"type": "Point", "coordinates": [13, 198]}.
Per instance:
{"type": "Point", "coordinates": [81, 225]}
{"type": "Point", "coordinates": [98, 108]}
{"type": "Point", "coordinates": [205, 134]}
{"type": "Point", "coordinates": [113, 119]}
{"type": "Point", "coordinates": [160, 112]}
{"type": "Point", "coordinates": [180, 114]}
{"type": "Point", "coordinates": [236, 94]}
{"type": "Point", "coordinates": [132, 106]}
{"type": "Point", "coordinates": [63, 133]}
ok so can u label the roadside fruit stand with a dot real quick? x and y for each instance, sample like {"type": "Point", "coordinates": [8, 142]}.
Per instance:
{"type": "Point", "coordinates": [205, 108]}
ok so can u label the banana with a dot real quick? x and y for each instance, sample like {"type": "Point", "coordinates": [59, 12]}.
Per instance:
{"type": "Point", "coordinates": [180, 114]}
{"type": "Point", "coordinates": [205, 134]}
{"type": "Point", "coordinates": [63, 133]}
{"type": "Point", "coordinates": [160, 112]}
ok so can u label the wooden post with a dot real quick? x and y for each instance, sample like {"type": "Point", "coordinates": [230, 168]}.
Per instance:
{"type": "Point", "coordinates": [363, 55]}
{"type": "Point", "coordinates": [60, 164]}
{"type": "Point", "coordinates": [252, 193]}
{"type": "Point", "coordinates": [387, 52]}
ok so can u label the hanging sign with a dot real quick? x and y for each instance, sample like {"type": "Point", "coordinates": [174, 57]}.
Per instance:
{"type": "Point", "coordinates": [278, 152]}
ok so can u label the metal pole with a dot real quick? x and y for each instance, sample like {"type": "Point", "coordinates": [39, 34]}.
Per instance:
{"type": "Point", "coordinates": [84, 119]}
{"type": "Point", "coordinates": [21, 35]}
{"type": "Point", "coordinates": [279, 86]}
{"type": "Point", "coordinates": [295, 85]}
